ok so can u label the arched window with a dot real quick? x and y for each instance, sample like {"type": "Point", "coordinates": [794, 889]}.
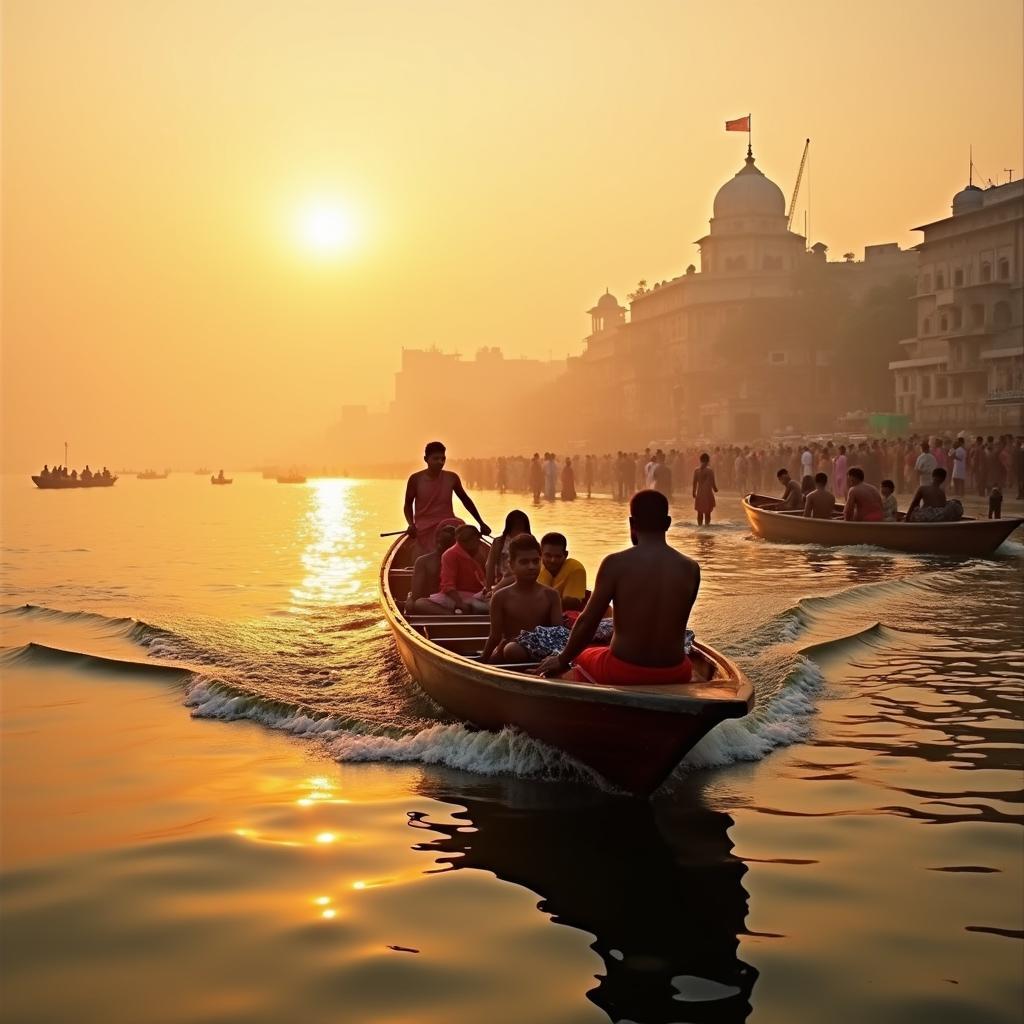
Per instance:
{"type": "Point", "coordinates": [1004, 269]}
{"type": "Point", "coordinates": [986, 271]}
{"type": "Point", "coordinates": [1001, 316]}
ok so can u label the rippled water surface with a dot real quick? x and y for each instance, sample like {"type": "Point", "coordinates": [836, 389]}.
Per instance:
{"type": "Point", "coordinates": [224, 800]}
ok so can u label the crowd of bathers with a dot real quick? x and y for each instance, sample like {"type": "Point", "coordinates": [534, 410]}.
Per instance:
{"type": "Point", "coordinates": [973, 466]}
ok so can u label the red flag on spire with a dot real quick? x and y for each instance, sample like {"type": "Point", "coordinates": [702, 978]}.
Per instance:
{"type": "Point", "coordinates": [740, 124]}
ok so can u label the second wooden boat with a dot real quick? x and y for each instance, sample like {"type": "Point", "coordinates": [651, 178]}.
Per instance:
{"type": "Point", "coordinates": [963, 538]}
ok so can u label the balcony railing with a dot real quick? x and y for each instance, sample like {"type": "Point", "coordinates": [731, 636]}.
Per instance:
{"type": "Point", "coordinates": [1005, 396]}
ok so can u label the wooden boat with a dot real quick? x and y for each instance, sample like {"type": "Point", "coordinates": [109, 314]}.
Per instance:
{"type": "Point", "coordinates": [66, 483]}
{"type": "Point", "coordinates": [633, 736]}
{"type": "Point", "coordinates": [152, 474]}
{"type": "Point", "coordinates": [221, 481]}
{"type": "Point", "coordinates": [292, 478]}
{"type": "Point", "coordinates": [964, 537]}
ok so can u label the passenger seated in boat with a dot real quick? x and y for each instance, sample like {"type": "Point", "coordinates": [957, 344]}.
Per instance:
{"type": "Point", "coordinates": [653, 588]}
{"type": "Point", "coordinates": [428, 498]}
{"type": "Point", "coordinates": [426, 575]}
{"type": "Point", "coordinates": [806, 485]}
{"type": "Point", "coordinates": [522, 606]}
{"type": "Point", "coordinates": [890, 510]}
{"type": "Point", "coordinates": [565, 574]}
{"type": "Point", "coordinates": [821, 502]}
{"type": "Point", "coordinates": [45, 474]}
{"type": "Point", "coordinates": [863, 502]}
{"type": "Point", "coordinates": [499, 573]}
{"type": "Point", "coordinates": [461, 589]}
{"type": "Point", "coordinates": [220, 475]}
{"type": "Point", "coordinates": [929, 504]}
{"type": "Point", "coordinates": [87, 473]}
{"type": "Point", "coordinates": [792, 496]}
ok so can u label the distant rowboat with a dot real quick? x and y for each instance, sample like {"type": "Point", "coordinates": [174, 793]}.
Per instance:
{"type": "Point", "coordinates": [221, 481]}
{"type": "Point", "coordinates": [634, 736]}
{"type": "Point", "coordinates": [152, 474]}
{"type": "Point", "coordinates": [66, 483]}
{"type": "Point", "coordinates": [964, 537]}
{"type": "Point", "coordinates": [292, 478]}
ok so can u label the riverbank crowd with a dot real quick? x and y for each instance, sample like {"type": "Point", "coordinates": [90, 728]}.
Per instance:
{"type": "Point", "coordinates": [974, 465]}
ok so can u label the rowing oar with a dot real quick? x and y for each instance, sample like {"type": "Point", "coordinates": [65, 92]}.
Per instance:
{"type": "Point", "coordinates": [394, 533]}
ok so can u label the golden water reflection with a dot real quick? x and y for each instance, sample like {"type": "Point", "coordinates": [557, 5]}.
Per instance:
{"type": "Point", "coordinates": [331, 571]}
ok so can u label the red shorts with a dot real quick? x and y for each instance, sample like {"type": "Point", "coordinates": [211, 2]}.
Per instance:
{"type": "Point", "coordinates": [874, 516]}
{"type": "Point", "coordinates": [599, 665]}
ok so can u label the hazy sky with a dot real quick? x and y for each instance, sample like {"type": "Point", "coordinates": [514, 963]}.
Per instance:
{"type": "Point", "coordinates": [501, 163]}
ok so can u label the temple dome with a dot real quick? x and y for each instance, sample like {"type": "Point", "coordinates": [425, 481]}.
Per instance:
{"type": "Point", "coordinates": [749, 194]}
{"type": "Point", "coordinates": [608, 301]}
{"type": "Point", "coordinates": [970, 198]}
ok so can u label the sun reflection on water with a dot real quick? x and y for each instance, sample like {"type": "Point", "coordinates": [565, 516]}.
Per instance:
{"type": "Point", "coordinates": [332, 572]}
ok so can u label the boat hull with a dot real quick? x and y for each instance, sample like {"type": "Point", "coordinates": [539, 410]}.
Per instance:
{"type": "Point", "coordinates": [67, 484]}
{"type": "Point", "coordinates": [632, 737]}
{"type": "Point", "coordinates": [965, 538]}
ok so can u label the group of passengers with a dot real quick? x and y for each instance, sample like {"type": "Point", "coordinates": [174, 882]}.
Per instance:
{"type": "Point", "coordinates": [62, 473]}
{"type": "Point", "coordinates": [869, 504]}
{"type": "Point", "coordinates": [536, 595]}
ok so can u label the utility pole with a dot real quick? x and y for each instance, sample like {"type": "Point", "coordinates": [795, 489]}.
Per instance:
{"type": "Point", "coordinates": [1009, 171]}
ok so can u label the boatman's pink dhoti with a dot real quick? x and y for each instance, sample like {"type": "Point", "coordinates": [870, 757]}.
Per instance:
{"type": "Point", "coordinates": [432, 506]}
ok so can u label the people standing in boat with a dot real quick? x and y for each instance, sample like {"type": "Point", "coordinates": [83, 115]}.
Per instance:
{"type": "Point", "coordinates": [930, 505]}
{"type": "Point", "coordinates": [653, 588]}
{"type": "Point", "coordinates": [428, 498]}
{"type": "Point", "coordinates": [568, 481]}
{"type": "Point", "coordinates": [820, 503]}
{"type": "Point", "coordinates": [863, 502]}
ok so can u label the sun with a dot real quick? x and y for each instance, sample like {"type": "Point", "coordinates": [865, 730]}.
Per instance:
{"type": "Point", "coordinates": [327, 228]}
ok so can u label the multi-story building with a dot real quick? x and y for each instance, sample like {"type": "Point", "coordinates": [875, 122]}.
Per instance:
{"type": "Point", "coordinates": [963, 371]}
{"type": "Point", "coordinates": [664, 374]}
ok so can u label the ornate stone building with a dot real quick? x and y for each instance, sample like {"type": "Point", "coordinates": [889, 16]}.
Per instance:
{"type": "Point", "coordinates": [963, 371]}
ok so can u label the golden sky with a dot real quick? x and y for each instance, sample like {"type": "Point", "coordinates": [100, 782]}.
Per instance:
{"type": "Point", "coordinates": [501, 164]}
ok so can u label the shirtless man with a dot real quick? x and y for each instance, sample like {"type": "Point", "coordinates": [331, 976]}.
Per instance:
{"type": "Point", "coordinates": [426, 575]}
{"type": "Point", "coordinates": [929, 504]}
{"type": "Point", "coordinates": [821, 502]}
{"type": "Point", "coordinates": [428, 498]}
{"type": "Point", "coordinates": [792, 496]}
{"type": "Point", "coordinates": [863, 502]}
{"type": "Point", "coordinates": [653, 588]}
{"type": "Point", "coordinates": [522, 606]}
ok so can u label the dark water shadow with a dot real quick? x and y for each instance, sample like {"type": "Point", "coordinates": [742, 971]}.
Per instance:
{"type": "Point", "coordinates": [656, 884]}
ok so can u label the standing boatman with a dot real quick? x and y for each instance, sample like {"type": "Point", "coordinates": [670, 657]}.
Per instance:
{"type": "Point", "coordinates": [428, 498]}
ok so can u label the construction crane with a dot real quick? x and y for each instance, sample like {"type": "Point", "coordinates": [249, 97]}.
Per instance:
{"type": "Point", "coordinates": [796, 187]}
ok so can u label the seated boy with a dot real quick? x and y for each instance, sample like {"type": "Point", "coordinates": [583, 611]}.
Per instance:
{"type": "Point", "coordinates": [522, 606]}
{"type": "Point", "coordinates": [461, 589]}
{"type": "Point", "coordinates": [792, 495]}
{"type": "Point", "coordinates": [564, 574]}
{"type": "Point", "coordinates": [821, 502]}
{"type": "Point", "coordinates": [890, 510]}
{"type": "Point", "coordinates": [426, 575]}
{"type": "Point", "coordinates": [930, 505]}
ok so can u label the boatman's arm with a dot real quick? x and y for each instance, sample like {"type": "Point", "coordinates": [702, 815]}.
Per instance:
{"type": "Point", "coordinates": [586, 624]}
{"type": "Point", "coordinates": [470, 507]}
{"type": "Point", "coordinates": [808, 510]}
{"type": "Point", "coordinates": [917, 499]}
{"type": "Point", "coordinates": [410, 497]}
{"type": "Point", "coordinates": [851, 504]}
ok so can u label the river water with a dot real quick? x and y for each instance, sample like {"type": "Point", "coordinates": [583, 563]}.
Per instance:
{"type": "Point", "coordinates": [224, 800]}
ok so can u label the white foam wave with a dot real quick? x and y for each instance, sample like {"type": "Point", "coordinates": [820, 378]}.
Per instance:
{"type": "Point", "coordinates": [507, 752]}
{"type": "Point", "coordinates": [784, 719]}
{"type": "Point", "coordinates": [209, 699]}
